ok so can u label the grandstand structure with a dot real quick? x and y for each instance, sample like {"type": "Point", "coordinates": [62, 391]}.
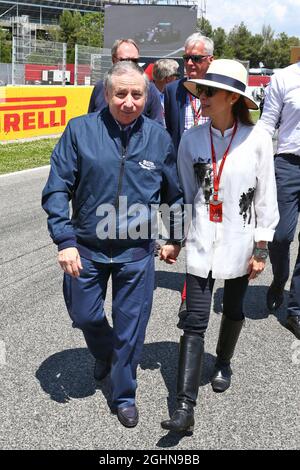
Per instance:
{"type": "Point", "coordinates": [48, 11]}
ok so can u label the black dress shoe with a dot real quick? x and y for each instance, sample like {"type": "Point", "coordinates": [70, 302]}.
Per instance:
{"type": "Point", "coordinates": [182, 420]}
{"type": "Point", "coordinates": [128, 416]}
{"type": "Point", "coordinates": [221, 379]}
{"type": "Point", "coordinates": [293, 324]}
{"type": "Point", "coordinates": [274, 297]}
{"type": "Point", "coordinates": [101, 369]}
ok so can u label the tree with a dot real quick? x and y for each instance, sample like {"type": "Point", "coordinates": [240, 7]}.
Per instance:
{"type": "Point", "coordinates": [219, 37]}
{"type": "Point", "coordinates": [5, 46]}
{"type": "Point", "coordinates": [284, 50]}
{"type": "Point", "coordinates": [239, 41]}
{"type": "Point", "coordinates": [267, 34]}
{"type": "Point", "coordinates": [85, 29]}
{"type": "Point", "coordinates": [277, 53]}
{"type": "Point", "coordinates": [256, 55]}
{"type": "Point", "coordinates": [204, 27]}
{"type": "Point", "coordinates": [70, 24]}
{"type": "Point", "coordinates": [91, 30]}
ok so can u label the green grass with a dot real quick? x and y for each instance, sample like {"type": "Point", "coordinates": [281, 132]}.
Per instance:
{"type": "Point", "coordinates": [25, 155]}
{"type": "Point", "coordinates": [255, 116]}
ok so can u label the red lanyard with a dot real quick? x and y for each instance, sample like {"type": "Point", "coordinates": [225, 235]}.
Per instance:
{"type": "Point", "coordinates": [217, 175]}
{"type": "Point", "coordinates": [196, 113]}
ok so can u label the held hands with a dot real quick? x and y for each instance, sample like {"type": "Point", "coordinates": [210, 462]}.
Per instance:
{"type": "Point", "coordinates": [69, 261]}
{"type": "Point", "coordinates": [169, 253]}
{"type": "Point", "coordinates": [255, 267]}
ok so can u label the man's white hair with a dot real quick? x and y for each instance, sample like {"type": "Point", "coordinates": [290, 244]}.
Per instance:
{"type": "Point", "coordinates": [194, 38]}
{"type": "Point", "coordinates": [124, 68]}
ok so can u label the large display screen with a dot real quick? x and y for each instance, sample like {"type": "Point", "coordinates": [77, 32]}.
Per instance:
{"type": "Point", "coordinates": [154, 28]}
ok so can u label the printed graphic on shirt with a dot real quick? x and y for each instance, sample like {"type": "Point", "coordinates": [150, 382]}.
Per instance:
{"type": "Point", "coordinates": [203, 173]}
{"type": "Point", "coordinates": [147, 165]}
{"type": "Point", "coordinates": [245, 204]}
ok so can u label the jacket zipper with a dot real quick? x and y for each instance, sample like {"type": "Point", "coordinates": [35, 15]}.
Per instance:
{"type": "Point", "coordinates": [121, 174]}
{"type": "Point", "coordinates": [120, 181]}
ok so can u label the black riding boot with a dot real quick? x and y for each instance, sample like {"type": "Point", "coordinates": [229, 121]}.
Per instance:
{"type": "Point", "coordinates": [188, 381]}
{"type": "Point", "coordinates": [228, 337]}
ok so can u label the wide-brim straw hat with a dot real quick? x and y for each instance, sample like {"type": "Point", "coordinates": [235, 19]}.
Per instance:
{"type": "Point", "coordinates": [225, 74]}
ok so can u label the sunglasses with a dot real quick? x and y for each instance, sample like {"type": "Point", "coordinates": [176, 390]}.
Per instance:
{"type": "Point", "coordinates": [208, 90]}
{"type": "Point", "coordinates": [194, 58]}
{"type": "Point", "coordinates": [129, 59]}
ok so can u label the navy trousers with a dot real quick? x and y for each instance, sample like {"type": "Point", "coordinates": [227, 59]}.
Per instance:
{"type": "Point", "coordinates": [287, 170]}
{"type": "Point", "coordinates": [132, 294]}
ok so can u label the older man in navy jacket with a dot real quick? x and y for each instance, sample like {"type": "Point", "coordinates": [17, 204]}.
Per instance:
{"type": "Point", "coordinates": [115, 166]}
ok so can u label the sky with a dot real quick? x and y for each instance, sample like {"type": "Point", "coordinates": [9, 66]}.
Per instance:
{"type": "Point", "coordinates": [281, 15]}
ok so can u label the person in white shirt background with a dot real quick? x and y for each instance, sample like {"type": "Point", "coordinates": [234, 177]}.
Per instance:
{"type": "Point", "coordinates": [226, 169]}
{"type": "Point", "coordinates": [282, 110]}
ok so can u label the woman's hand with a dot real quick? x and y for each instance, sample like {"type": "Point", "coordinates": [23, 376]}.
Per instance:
{"type": "Point", "coordinates": [169, 253]}
{"type": "Point", "coordinates": [255, 267]}
{"type": "Point", "coordinates": [69, 260]}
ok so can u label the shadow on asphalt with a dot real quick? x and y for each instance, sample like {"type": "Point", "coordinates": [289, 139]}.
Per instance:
{"type": "Point", "coordinates": [255, 303]}
{"type": "Point", "coordinates": [67, 374]}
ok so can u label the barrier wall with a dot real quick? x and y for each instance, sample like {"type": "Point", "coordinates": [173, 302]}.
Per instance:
{"type": "Point", "coordinates": [33, 111]}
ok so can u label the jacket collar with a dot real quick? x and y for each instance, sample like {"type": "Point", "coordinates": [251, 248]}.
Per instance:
{"type": "Point", "coordinates": [113, 127]}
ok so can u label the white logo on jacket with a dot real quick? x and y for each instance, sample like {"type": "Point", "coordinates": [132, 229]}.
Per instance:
{"type": "Point", "coordinates": [147, 165]}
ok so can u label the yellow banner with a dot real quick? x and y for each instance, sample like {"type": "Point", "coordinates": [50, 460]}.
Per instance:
{"type": "Point", "coordinates": [32, 111]}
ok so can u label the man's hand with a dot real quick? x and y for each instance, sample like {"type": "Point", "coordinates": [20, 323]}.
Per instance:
{"type": "Point", "coordinates": [255, 267]}
{"type": "Point", "coordinates": [169, 253]}
{"type": "Point", "coordinates": [69, 260]}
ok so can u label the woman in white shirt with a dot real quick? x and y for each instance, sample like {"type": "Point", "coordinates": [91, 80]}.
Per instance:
{"type": "Point", "coordinates": [227, 174]}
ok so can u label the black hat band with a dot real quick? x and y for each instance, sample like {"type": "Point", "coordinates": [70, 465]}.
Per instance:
{"type": "Point", "coordinates": [222, 79]}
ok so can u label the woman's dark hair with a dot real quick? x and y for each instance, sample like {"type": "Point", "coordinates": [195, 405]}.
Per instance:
{"type": "Point", "coordinates": [241, 112]}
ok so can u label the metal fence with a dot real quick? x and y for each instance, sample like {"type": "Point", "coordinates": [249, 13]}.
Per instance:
{"type": "Point", "coordinates": [36, 62]}
{"type": "Point", "coordinates": [6, 73]}
{"type": "Point", "coordinates": [44, 62]}
{"type": "Point", "coordinates": [91, 64]}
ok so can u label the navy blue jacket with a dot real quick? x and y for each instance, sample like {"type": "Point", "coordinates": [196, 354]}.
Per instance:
{"type": "Point", "coordinates": [152, 109]}
{"type": "Point", "coordinates": [91, 167]}
{"type": "Point", "coordinates": [175, 96]}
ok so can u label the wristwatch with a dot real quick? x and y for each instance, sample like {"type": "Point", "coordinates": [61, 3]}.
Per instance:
{"type": "Point", "coordinates": [260, 253]}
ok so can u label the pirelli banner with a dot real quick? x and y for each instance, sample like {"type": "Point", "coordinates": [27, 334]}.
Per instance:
{"type": "Point", "coordinates": [32, 111]}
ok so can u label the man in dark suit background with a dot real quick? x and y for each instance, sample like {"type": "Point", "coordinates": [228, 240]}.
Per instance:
{"type": "Point", "coordinates": [182, 110]}
{"type": "Point", "coordinates": [127, 49]}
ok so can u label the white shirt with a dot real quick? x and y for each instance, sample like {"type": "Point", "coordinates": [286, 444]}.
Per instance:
{"type": "Point", "coordinates": [162, 102]}
{"type": "Point", "coordinates": [189, 120]}
{"type": "Point", "coordinates": [282, 100]}
{"type": "Point", "coordinates": [225, 248]}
